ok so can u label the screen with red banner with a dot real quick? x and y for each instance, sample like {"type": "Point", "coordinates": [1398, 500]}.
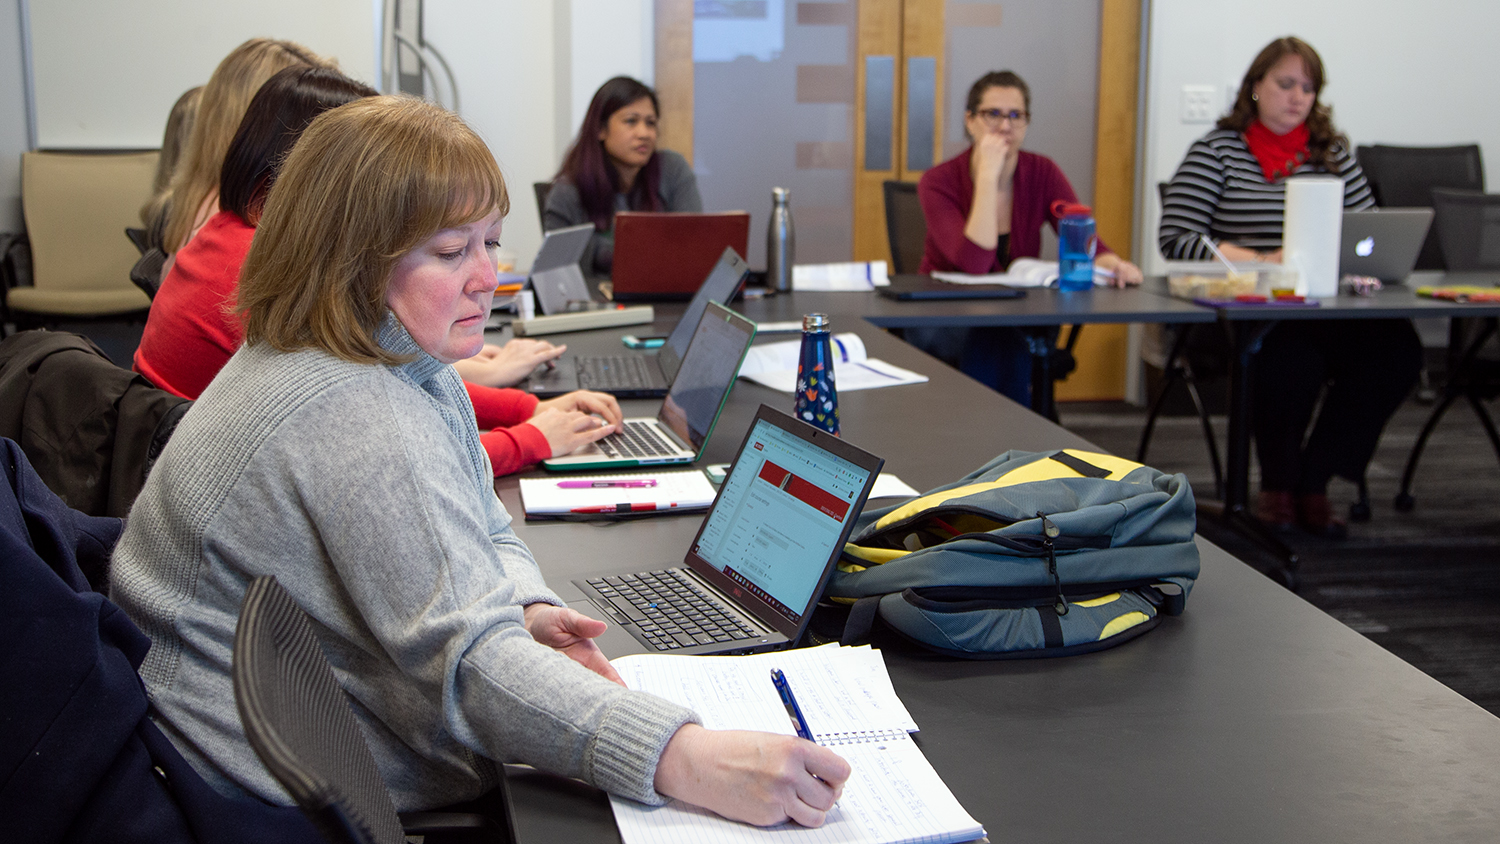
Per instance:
{"type": "Point", "coordinates": [779, 516]}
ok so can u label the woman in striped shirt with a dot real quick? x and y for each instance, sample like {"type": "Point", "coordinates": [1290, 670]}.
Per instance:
{"type": "Point", "coordinates": [1231, 187]}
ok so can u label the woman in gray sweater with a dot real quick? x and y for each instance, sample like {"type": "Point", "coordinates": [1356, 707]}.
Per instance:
{"type": "Point", "coordinates": [614, 165]}
{"type": "Point", "coordinates": [370, 274]}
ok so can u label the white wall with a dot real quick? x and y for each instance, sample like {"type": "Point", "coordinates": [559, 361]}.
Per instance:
{"type": "Point", "coordinates": [1398, 72]}
{"type": "Point", "coordinates": [12, 116]}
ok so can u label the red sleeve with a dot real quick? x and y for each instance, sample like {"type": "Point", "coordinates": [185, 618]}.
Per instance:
{"type": "Point", "coordinates": [512, 449]}
{"type": "Point", "coordinates": [500, 408]}
{"type": "Point", "coordinates": [946, 198]}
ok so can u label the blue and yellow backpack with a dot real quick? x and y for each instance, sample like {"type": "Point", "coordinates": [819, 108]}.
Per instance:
{"type": "Point", "coordinates": [1030, 555]}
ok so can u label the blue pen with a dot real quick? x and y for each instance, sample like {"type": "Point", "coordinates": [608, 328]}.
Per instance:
{"type": "Point", "coordinates": [790, 702]}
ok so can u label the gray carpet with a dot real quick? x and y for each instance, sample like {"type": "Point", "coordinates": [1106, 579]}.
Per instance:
{"type": "Point", "coordinates": [1424, 584]}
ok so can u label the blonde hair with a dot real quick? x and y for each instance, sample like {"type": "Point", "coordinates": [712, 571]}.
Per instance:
{"type": "Point", "coordinates": [173, 141]}
{"type": "Point", "coordinates": [222, 107]}
{"type": "Point", "coordinates": [367, 183]}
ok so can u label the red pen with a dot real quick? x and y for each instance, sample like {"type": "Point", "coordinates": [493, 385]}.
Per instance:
{"type": "Point", "coordinates": [624, 508]}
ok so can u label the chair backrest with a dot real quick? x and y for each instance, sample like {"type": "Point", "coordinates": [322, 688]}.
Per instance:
{"type": "Point", "coordinates": [541, 189]}
{"type": "Point", "coordinates": [298, 719]}
{"type": "Point", "coordinates": [1404, 177]}
{"type": "Point", "coordinates": [146, 274]}
{"type": "Point", "coordinates": [75, 205]}
{"type": "Point", "coordinates": [1468, 225]}
{"type": "Point", "coordinates": [905, 227]}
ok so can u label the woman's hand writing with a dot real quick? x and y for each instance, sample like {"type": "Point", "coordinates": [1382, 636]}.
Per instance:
{"type": "Point", "coordinates": [759, 778]}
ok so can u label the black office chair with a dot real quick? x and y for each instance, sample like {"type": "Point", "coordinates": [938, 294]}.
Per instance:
{"type": "Point", "coordinates": [905, 227]}
{"type": "Point", "coordinates": [1468, 227]}
{"type": "Point", "coordinates": [298, 720]}
{"type": "Point", "coordinates": [1404, 177]}
{"type": "Point", "coordinates": [147, 271]}
{"type": "Point", "coordinates": [541, 189]}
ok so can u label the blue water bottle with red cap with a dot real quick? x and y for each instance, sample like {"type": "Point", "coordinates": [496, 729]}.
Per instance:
{"type": "Point", "coordinates": [816, 401]}
{"type": "Point", "coordinates": [1076, 244]}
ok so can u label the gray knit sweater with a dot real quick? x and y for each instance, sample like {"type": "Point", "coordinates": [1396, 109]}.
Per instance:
{"type": "Point", "coordinates": [678, 191]}
{"type": "Point", "coordinates": [395, 544]}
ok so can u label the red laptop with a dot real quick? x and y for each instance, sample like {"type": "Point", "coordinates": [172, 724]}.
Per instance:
{"type": "Point", "coordinates": [667, 256]}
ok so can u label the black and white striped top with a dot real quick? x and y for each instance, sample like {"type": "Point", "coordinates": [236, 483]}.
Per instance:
{"type": "Point", "coordinates": [1219, 190]}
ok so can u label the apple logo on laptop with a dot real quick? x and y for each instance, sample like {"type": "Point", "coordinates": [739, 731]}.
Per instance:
{"type": "Point", "coordinates": [1365, 247]}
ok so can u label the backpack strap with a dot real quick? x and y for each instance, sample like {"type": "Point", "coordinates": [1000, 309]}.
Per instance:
{"type": "Point", "coordinates": [861, 621]}
{"type": "Point", "coordinates": [1082, 467]}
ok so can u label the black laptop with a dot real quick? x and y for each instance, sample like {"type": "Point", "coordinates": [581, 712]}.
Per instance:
{"type": "Point", "coordinates": [643, 374]}
{"type": "Point", "coordinates": [761, 558]}
{"type": "Point", "coordinates": [906, 288]}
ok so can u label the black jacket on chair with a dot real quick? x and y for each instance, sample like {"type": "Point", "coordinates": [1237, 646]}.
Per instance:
{"type": "Point", "coordinates": [80, 760]}
{"type": "Point", "coordinates": [91, 428]}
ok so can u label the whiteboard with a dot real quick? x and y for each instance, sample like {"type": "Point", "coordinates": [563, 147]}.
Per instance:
{"type": "Point", "coordinates": [104, 74]}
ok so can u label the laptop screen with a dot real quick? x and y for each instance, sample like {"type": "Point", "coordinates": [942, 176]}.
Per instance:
{"type": "Point", "coordinates": [708, 371]}
{"type": "Point", "coordinates": [721, 285]}
{"type": "Point", "coordinates": [781, 516]}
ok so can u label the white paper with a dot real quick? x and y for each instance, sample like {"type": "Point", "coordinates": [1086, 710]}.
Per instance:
{"type": "Point", "coordinates": [840, 278]}
{"type": "Point", "coordinates": [685, 488]}
{"type": "Point", "coordinates": [890, 486]}
{"type": "Point", "coordinates": [1022, 272]}
{"type": "Point", "coordinates": [892, 795]}
{"type": "Point", "coordinates": [1311, 232]}
{"type": "Point", "coordinates": [774, 365]}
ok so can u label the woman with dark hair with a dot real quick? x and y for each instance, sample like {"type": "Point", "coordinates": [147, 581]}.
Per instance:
{"type": "Point", "coordinates": [614, 165]}
{"type": "Point", "coordinates": [191, 330]}
{"type": "Point", "coordinates": [985, 207]}
{"type": "Point", "coordinates": [1231, 188]}
{"type": "Point", "coordinates": [372, 273]}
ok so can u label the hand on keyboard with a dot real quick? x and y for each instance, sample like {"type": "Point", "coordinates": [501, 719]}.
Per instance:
{"type": "Point", "coordinates": [504, 366]}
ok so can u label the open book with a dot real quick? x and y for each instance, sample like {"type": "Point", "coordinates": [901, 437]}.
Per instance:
{"type": "Point", "coordinates": [893, 795]}
{"type": "Point", "coordinates": [775, 365]}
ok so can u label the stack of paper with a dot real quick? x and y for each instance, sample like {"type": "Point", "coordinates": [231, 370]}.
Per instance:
{"type": "Point", "coordinates": [845, 694]}
{"type": "Point", "coordinates": [1022, 272]}
{"type": "Point", "coordinates": [775, 365]}
{"type": "Point", "coordinates": [661, 491]}
{"type": "Point", "coordinates": [850, 277]}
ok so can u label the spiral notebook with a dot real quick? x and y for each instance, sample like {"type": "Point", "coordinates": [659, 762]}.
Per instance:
{"type": "Point", "coordinates": [893, 795]}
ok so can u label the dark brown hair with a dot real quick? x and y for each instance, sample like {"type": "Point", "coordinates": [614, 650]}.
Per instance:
{"type": "Point", "coordinates": [367, 183]}
{"type": "Point", "coordinates": [997, 79]}
{"type": "Point", "coordinates": [281, 109]}
{"type": "Point", "coordinates": [588, 167]}
{"type": "Point", "coordinates": [1321, 136]}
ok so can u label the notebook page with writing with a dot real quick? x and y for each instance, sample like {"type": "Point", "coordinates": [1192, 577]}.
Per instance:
{"type": "Point", "coordinates": [893, 796]}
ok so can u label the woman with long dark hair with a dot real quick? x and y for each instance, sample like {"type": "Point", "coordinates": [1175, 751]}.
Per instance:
{"type": "Point", "coordinates": [1231, 188]}
{"type": "Point", "coordinates": [615, 165]}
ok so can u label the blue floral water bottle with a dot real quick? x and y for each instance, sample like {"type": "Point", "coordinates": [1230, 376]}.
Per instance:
{"type": "Point", "coordinates": [1076, 244]}
{"type": "Point", "coordinates": [817, 402]}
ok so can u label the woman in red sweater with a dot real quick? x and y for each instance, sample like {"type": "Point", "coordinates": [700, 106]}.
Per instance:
{"type": "Point", "coordinates": [192, 331]}
{"type": "Point", "coordinates": [986, 207]}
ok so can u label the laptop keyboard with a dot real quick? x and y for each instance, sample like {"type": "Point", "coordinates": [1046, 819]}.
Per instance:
{"type": "Point", "coordinates": [614, 373]}
{"type": "Point", "coordinates": [671, 611]}
{"type": "Point", "coordinates": [639, 439]}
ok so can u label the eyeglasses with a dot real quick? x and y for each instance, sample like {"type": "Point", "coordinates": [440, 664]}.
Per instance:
{"type": "Point", "coordinates": [994, 116]}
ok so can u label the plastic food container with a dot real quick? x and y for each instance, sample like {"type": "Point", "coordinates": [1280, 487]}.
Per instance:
{"type": "Point", "coordinates": [1212, 280]}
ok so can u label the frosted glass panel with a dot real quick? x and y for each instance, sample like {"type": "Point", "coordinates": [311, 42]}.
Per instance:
{"type": "Point", "coordinates": [774, 107]}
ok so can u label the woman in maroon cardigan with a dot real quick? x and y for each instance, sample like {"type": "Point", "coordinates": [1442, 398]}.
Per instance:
{"type": "Point", "coordinates": [985, 207]}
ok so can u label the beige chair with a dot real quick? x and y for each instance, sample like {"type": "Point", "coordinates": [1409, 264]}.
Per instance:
{"type": "Point", "coordinates": [76, 207]}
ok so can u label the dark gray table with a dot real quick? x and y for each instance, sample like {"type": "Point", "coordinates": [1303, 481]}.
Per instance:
{"type": "Point", "coordinates": [1252, 717]}
{"type": "Point", "coordinates": [1248, 326]}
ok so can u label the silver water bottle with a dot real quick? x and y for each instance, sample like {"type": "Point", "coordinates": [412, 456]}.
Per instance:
{"type": "Point", "coordinates": [781, 243]}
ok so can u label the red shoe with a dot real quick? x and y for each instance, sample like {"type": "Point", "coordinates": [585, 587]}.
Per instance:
{"type": "Point", "coordinates": [1275, 510]}
{"type": "Point", "coordinates": [1315, 515]}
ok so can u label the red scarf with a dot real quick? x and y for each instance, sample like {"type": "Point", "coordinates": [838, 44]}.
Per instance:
{"type": "Point", "coordinates": [1279, 155]}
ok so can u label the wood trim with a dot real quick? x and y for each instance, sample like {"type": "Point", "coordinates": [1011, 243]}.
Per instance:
{"type": "Point", "coordinates": [879, 34]}
{"type": "Point", "coordinates": [924, 33]}
{"type": "Point", "coordinates": [674, 75]}
{"type": "Point", "coordinates": [1102, 350]}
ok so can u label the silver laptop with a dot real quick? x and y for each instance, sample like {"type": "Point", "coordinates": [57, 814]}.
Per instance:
{"type": "Point", "coordinates": [761, 558]}
{"type": "Point", "coordinates": [642, 374]}
{"type": "Point", "coordinates": [556, 277]}
{"type": "Point", "coordinates": [1383, 243]}
{"type": "Point", "coordinates": [692, 407]}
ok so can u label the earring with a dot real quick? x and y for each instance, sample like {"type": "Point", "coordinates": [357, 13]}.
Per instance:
{"type": "Point", "coordinates": [1255, 98]}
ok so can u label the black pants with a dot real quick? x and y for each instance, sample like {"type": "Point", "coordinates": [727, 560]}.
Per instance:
{"type": "Point", "coordinates": [1367, 366]}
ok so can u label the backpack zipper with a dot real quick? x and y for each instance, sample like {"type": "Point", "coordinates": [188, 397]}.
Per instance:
{"type": "Point", "coordinates": [1050, 532]}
